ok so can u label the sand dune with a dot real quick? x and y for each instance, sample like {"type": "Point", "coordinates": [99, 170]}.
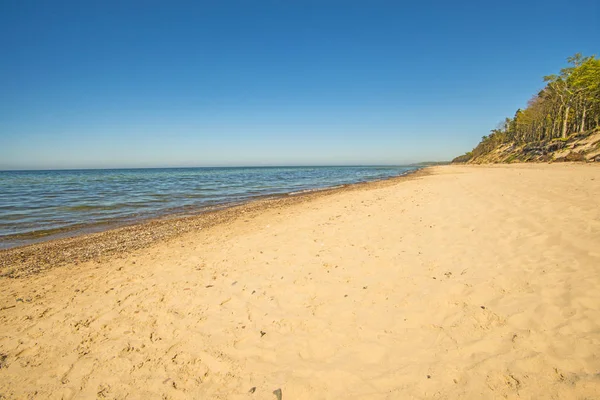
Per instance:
{"type": "Point", "coordinates": [470, 282]}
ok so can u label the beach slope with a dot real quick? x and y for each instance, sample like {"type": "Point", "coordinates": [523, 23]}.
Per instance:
{"type": "Point", "coordinates": [462, 282]}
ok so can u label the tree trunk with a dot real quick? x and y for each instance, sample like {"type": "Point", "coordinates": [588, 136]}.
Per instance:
{"type": "Point", "coordinates": [556, 122]}
{"type": "Point", "coordinates": [564, 129]}
{"type": "Point", "coordinates": [582, 127]}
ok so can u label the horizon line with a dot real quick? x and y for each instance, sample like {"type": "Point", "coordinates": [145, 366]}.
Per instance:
{"type": "Point", "coordinates": [223, 166]}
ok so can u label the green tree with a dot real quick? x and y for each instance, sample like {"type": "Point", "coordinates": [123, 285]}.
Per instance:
{"type": "Point", "coordinates": [569, 102]}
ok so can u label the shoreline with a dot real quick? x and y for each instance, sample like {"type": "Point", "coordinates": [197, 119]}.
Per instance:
{"type": "Point", "coordinates": [82, 245]}
{"type": "Point", "coordinates": [81, 226]}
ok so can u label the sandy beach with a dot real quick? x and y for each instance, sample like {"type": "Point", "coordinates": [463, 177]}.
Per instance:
{"type": "Point", "coordinates": [471, 282]}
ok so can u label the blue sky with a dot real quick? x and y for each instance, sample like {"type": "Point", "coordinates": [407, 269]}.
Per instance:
{"type": "Point", "coordinates": [87, 84]}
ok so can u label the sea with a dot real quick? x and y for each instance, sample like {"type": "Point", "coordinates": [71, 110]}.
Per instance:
{"type": "Point", "coordinates": [41, 205]}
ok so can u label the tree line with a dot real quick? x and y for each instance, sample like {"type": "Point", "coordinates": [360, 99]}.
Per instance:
{"type": "Point", "coordinates": [569, 103]}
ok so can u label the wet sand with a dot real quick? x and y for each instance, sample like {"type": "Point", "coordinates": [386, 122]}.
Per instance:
{"type": "Point", "coordinates": [458, 282]}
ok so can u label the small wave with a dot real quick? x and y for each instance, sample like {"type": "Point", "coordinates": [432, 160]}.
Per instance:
{"type": "Point", "coordinates": [39, 233]}
{"type": "Point", "coordinates": [91, 207]}
{"type": "Point", "coordinates": [110, 207]}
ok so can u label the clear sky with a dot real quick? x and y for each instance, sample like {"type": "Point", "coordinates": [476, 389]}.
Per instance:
{"type": "Point", "coordinates": [283, 82]}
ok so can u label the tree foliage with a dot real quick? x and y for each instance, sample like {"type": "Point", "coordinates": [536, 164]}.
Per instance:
{"type": "Point", "coordinates": [568, 104]}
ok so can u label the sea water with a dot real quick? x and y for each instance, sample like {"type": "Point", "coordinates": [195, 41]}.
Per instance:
{"type": "Point", "coordinates": [40, 205]}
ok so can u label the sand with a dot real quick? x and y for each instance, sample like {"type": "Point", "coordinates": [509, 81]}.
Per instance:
{"type": "Point", "coordinates": [469, 282]}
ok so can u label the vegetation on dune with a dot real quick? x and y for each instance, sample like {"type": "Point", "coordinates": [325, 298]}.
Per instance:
{"type": "Point", "coordinates": [568, 106]}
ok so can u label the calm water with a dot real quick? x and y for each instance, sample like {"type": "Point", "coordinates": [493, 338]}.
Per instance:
{"type": "Point", "coordinates": [46, 204]}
